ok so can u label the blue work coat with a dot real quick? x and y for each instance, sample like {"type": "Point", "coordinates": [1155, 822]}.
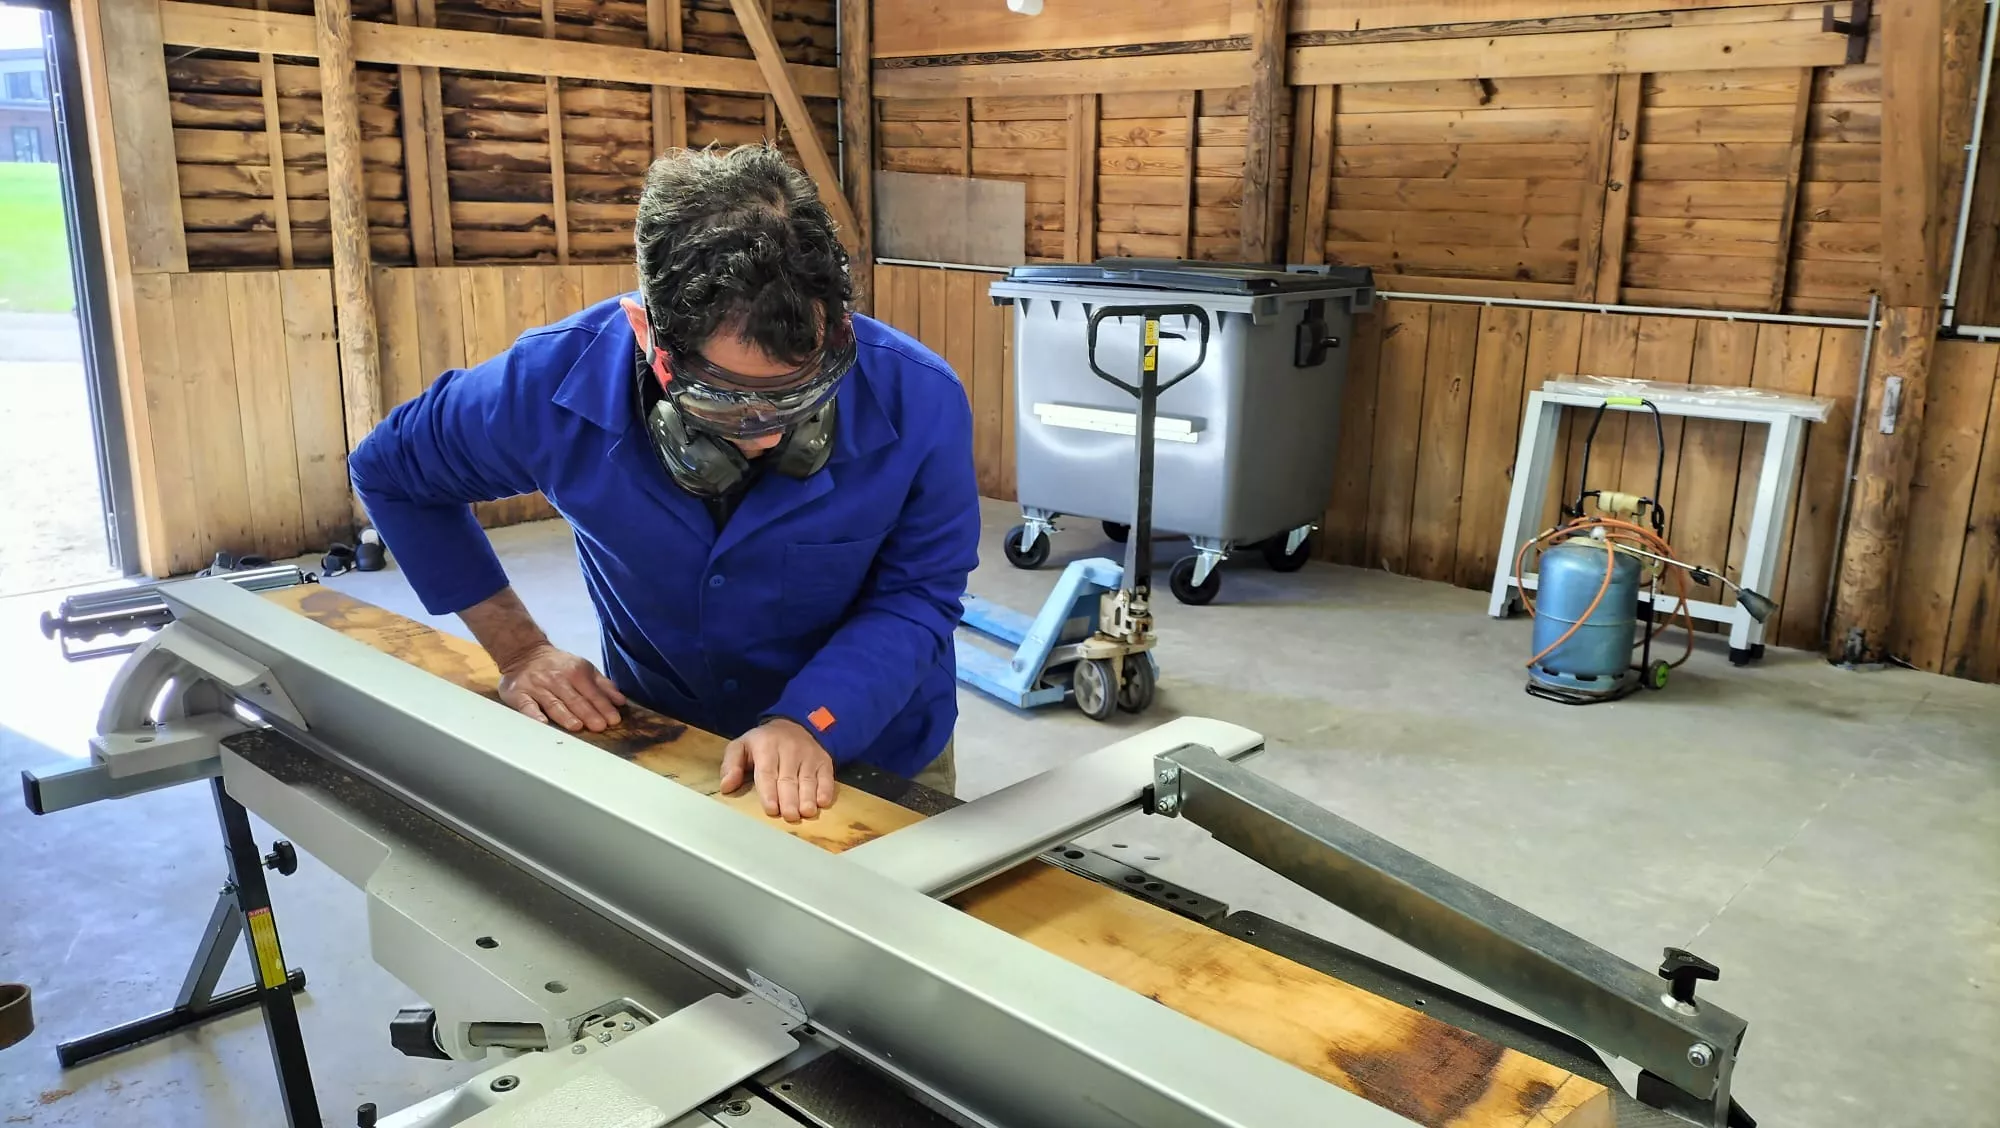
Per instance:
{"type": "Point", "coordinates": [829, 600]}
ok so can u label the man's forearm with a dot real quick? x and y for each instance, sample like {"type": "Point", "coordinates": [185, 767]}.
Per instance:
{"type": "Point", "coordinates": [503, 627]}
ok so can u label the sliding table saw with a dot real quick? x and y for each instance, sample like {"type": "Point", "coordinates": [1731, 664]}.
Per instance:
{"type": "Point", "coordinates": [639, 951]}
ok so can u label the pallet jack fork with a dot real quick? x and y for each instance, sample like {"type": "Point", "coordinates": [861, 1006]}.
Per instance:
{"type": "Point", "coordinates": [1093, 639]}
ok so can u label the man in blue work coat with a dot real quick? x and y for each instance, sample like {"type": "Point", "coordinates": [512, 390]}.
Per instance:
{"type": "Point", "coordinates": [773, 499]}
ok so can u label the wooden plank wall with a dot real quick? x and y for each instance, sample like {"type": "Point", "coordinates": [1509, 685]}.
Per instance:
{"type": "Point", "coordinates": [490, 160]}
{"type": "Point", "coordinates": [1432, 417]}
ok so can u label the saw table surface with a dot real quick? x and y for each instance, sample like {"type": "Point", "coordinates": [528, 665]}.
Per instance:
{"type": "Point", "coordinates": [1426, 1070]}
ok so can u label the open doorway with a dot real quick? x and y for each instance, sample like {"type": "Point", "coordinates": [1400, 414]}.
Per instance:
{"type": "Point", "coordinates": [66, 518]}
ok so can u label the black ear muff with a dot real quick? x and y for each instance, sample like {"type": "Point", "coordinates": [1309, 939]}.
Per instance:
{"type": "Point", "coordinates": [701, 464]}
{"type": "Point", "coordinates": [809, 444]}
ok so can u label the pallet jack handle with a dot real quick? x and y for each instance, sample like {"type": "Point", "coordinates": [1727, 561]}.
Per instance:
{"type": "Point", "coordinates": [1139, 542]}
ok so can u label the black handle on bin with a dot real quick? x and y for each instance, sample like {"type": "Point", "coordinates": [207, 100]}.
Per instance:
{"type": "Point", "coordinates": [1154, 313]}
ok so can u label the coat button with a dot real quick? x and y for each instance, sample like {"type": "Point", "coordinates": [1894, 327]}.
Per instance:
{"type": "Point", "coordinates": [715, 581]}
{"type": "Point", "coordinates": [729, 685]}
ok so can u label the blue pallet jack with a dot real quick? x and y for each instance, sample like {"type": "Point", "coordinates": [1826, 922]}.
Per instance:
{"type": "Point", "coordinates": [1092, 642]}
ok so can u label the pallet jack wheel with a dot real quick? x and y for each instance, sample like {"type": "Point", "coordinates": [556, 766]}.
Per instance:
{"type": "Point", "coordinates": [1033, 557]}
{"type": "Point", "coordinates": [1181, 580]}
{"type": "Point", "coordinates": [1136, 695]}
{"type": "Point", "coordinates": [1117, 532]}
{"type": "Point", "coordinates": [1276, 557]}
{"type": "Point", "coordinates": [1658, 673]}
{"type": "Point", "coordinates": [1095, 685]}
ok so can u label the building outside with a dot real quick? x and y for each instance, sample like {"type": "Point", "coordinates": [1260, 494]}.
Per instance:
{"type": "Point", "coordinates": [27, 116]}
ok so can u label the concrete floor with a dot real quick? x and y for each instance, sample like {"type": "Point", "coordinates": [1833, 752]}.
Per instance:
{"type": "Point", "coordinates": [1831, 839]}
{"type": "Point", "coordinates": [53, 535]}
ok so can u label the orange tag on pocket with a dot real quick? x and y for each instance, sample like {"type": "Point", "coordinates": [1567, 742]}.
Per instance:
{"type": "Point", "coordinates": [821, 718]}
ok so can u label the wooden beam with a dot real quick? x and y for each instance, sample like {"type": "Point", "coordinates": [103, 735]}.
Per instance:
{"type": "Point", "coordinates": [1301, 176]}
{"type": "Point", "coordinates": [1319, 173]}
{"type": "Point", "coordinates": [445, 252]}
{"type": "Point", "coordinates": [1872, 548]}
{"type": "Point", "coordinates": [1618, 187]}
{"type": "Point", "coordinates": [237, 29]}
{"type": "Point", "coordinates": [792, 105]}
{"type": "Point", "coordinates": [1788, 216]}
{"type": "Point", "coordinates": [1964, 30]}
{"type": "Point", "coordinates": [1213, 70]}
{"type": "Point", "coordinates": [1187, 172]}
{"type": "Point", "coordinates": [274, 138]}
{"type": "Point", "coordinates": [857, 143]}
{"type": "Point", "coordinates": [1590, 240]}
{"type": "Point", "coordinates": [1267, 86]}
{"type": "Point", "coordinates": [1080, 186]}
{"type": "Point", "coordinates": [965, 137]}
{"type": "Point", "coordinates": [353, 289]}
{"type": "Point", "coordinates": [558, 175]}
{"type": "Point", "coordinates": [142, 130]}
{"type": "Point", "coordinates": [1780, 43]}
{"type": "Point", "coordinates": [416, 150]}
{"type": "Point", "coordinates": [1396, 1056]}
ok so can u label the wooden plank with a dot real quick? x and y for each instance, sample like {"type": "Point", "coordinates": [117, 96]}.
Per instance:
{"type": "Point", "coordinates": [1319, 169]}
{"type": "Point", "coordinates": [1941, 491]}
{"type": "Point", "coordinates": [1723, 199]}
{"type": "Point", "coordinates": [318, 422]}
{"type": "Point", "coordinates": [275, 155]}
{"type": "Point", "coordinates": [1080, 179]}
{"type": "Point", "coordinates": [1618, 188]}
{"type": "Point", "coordinates": [1560, 91]}
{"type": "Point", "coordinates": [961, 315]}
{"type": "Point", "coordinates": [1345, 538]}
{"type": "Point", "coordinates": [1188, 169]}
{"type": "Point", "coordinates": [989, 398]}
{"type": "Point", "coordinates": [416, 147]}
{"type": "Point", "coordinates": [1497, 196]}
{"type": "Point", "coordinates": [1722, 88]}
{"type": "Point", "coordinates": [1481, 126]}
{"type": "Point", "coordinates": [791, 104]}
{"type": "Point", "coordinates": [1610, 348]}
{"type": "Point", "coordinates": [1084, 76]}
{"type": "Point", "coordinates": [1787, 357]}
{"type": "Point", "coordinates": [264, 404]}
{"type": "Point", "coordinates": [1594, 208]}
{"type": "Point", "coordinates": [1801, 114]}
{"type": "Point", "coordinates": [1720, 238]}
{"type": "Point", "coordinates": [1399, 399]}
{"type": "Point", "coordinates": [1704, 503]}
{"type": "Point", "coordinates": [931, 27]}
{"type": "Point", "coordinates": [208, 367]}
{"type": "Point", "coordinates": [403, 376]}
{"type": "Point", "coordinates": [1972, 646]}
{"type": "Point", "coordinates": [606, 281]}
{"type": "Point", "coordinates": [438, 176]}
{"type": "Point", "coordinates": [933, 308]}
{"type": "Point", "coordinates": [1420, 284]}
{"type": "Point", "coordinates": [1260, 172]}
{"type": "Point", "coordinates": [1665, 353]}
{"type": "Point", "coordinates": [1632, 51]}
{"type": "Point", "coordinates": [964, 133]}
{"type": "Point", "coordinates": [1008, 483]}
{"type": "Point", "coordinates": [558, 173]}
{"type": "Point", "coordinates": [1441, 440]}
{"type": "Point", "coordinates": [1555, 341]}
{"type": "Point", "coordinates": [1551, 161]}
{"type": "Point", "coordinates": [174, 546]}
{"type": "Point", "coordinates": [234, 29]}
{"type": "Point", "coordinates": [857, 142]}
{"type": "Point", "coordinates": [141, 136]}
{"type": "Point", "coordinates": [1296, 240]}
{"type": "Point", "coordinates": [562, 288]}
{"type": "Point", "coordinates": [440, 322]}
{"type": "Point", "coordinates": [1815, 534]}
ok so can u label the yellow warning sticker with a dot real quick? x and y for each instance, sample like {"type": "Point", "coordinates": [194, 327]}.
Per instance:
{"type": "Point", "coordinates": [264, 937]}
{"type": "Point", "coordinates": [1152, 332]}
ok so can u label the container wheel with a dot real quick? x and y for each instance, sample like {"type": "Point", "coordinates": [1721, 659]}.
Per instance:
{"type": "Point", "coordinates": [1136, 695]}
{"type": "Point", "coordinates": [1117, 532]}
{"type": "Point", "coordinates": [1181, 579]}
{"type": "Point", "coordinates": [1033, 557]}
{"type": "Point", "coordinates": [1094, 684]}
{"type": "Point", "coordinates": [1279, 560]}
{"type": "Point", "coordinates": [1657, 674]}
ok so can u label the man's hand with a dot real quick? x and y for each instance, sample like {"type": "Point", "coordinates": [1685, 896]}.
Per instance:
{"type": "Point", "coordinates": [794, 774]}
{"type": "Point", "coordinates": [554, 685]}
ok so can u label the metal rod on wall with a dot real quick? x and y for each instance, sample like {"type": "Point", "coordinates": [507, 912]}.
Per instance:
{"type": "Point", "coordinates": [1853, 455]}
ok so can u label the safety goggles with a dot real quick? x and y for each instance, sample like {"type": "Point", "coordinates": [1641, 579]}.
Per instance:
{"type": "Point", "coordinates": [736, 406]}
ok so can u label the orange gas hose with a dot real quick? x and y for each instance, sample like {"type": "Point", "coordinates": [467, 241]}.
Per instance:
{"type": "Point", "coordinates": [1614, 532]}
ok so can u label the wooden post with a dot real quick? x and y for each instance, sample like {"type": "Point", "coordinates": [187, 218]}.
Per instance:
{"type": "Point", "coordinates": [805, 136]}
{"type": "Point", "coordinates": [1618, 187]}
{"type": "Point", "coordinates": [431, 94]}
{"type": "Point", "coordinates": [1260, 154]}
{"type": "Point", "coordinates": [1871, 550]}
{"type": "Point", "coordinates": [1788, 216]}
{"type": "Point", "coordinates": [353, 296]}
{"type": "Point", "coordinates": [1080, 187]}
{"type": "Point", "coordinates": [416, 151]}
{"type": "Point", "coordinates": [857, 144]}
{"type": "Point", "coordinates": [281, 212]}
{"type": "Point", "coordinates": [558, 178]}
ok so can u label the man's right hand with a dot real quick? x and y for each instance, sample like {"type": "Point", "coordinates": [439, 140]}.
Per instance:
{"type": "Point", "coordinates": [555, 685]}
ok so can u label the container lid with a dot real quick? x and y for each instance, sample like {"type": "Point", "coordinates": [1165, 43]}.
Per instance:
{"type": "Point", "coordinates": [1199, 277]}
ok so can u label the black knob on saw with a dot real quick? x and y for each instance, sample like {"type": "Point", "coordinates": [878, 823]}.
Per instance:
{"type": "Point", "coordinates": [413, 1032]}
{"type": "Point", "coordinates": [282, 858]}
{"type": "Point", "coordinates": [1685, 969]}
{"type": "Point", "coordinates": [364, 1117]}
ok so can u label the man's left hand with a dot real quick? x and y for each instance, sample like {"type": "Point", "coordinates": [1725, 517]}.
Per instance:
{"type": "Point", "coordinates": [794, 775]}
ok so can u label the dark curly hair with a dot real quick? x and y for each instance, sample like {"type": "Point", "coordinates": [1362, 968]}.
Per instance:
{"type": "Point", "coordinates": [738, 241]}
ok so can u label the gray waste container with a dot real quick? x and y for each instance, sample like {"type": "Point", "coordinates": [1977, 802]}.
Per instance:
{"type": "Point", "coordinates": [1243, 447]}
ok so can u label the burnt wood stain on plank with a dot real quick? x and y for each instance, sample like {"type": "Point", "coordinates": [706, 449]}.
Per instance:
{"type": "Point", "coordinates": [1433, 1078]}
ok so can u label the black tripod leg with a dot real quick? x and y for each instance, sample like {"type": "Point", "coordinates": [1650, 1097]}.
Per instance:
{"type": "Point", "coordinates": [271, 984]}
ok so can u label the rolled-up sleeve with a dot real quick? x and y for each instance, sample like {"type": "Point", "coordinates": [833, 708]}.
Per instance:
{"type": "Point", "coordinates": [465, 439]}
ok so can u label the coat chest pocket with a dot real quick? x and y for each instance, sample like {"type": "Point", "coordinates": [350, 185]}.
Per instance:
{"type": "Point", "coordinates": [823, 580]}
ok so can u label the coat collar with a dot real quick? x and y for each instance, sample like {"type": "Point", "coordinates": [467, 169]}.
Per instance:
{"type": "Point", "coordinates": [599, 385]}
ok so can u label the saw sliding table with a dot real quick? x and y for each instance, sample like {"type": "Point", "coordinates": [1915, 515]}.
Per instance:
{"type": "Point", "coordinates": [1279, 997]}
